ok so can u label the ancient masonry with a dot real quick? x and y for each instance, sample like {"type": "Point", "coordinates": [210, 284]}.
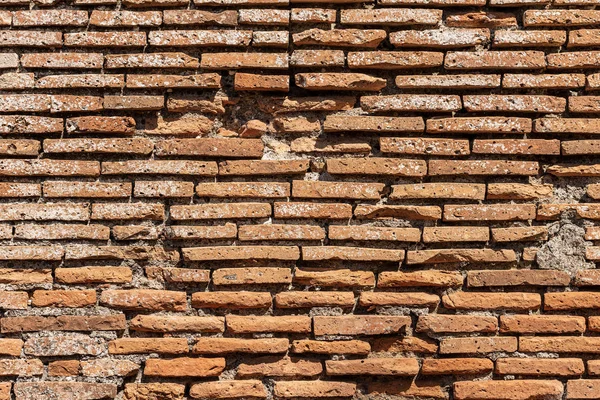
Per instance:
{"type": "Point", "coordinates": [275, 199]}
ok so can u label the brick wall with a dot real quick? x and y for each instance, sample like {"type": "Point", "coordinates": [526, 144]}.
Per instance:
{"type": "Point", "coordinates": [273, 199]}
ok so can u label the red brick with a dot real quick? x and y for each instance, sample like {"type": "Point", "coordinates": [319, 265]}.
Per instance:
{"type": "Point", "coordinates": [492, 301]}
{"type": "Point", "coordinates": [456, 324]}
{"type": "Point", "coordinates": [457, 366]}
{"type": "Point", "coordinates": [214, 346]}
{"type": "Point", "coordinates": [540, 367]}
{"type": "Point", "coordinates": [374, 366]}
{"type": "Point", "coordinates": [478, 345]}
{"type": "Point", "coordinates": [229, 390]}
{"type": "Point", "coordinates": [359, 325]}
{"type": "Point", "coordinates": [368, 38]}
{"type": "Point", "coordinates": [336, 278]}
{"type": "Point", "coordinates": [184, 367]}
{"type": "Point", "coordinates": [550, 324]}
{"type": "Point", "coordinates": [521, 389]}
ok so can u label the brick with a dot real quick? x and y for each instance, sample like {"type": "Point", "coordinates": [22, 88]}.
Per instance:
{"type": "Point", "coordinates": [63, 298]}
{"type": "Point", "coordinates": [459, 255]}
{"type": "Point", "coordinates": [516, 191]}
{"type": "Point", "coordinates": [144, 299]}
{"type": "Point", "coordinates": [50, 18]}
{"type": "Point", "coordinates": [64, 390]}
{"type": "Point", "coordinates": [491, 212]}
{"type": "Point", "coordinates": [13, 300]}
{"type": "Point", "coordinates": [109, 367]}
{"type": "Point", "coordinates": [570, 300]}
{"type": "Point", "coordinates": [227, 231]}
{"type": "Point", "coordinates": [99, 146]}
{"type": "Point", "coordinates": [229, 390]}
{"type": "Point", "coordinates": [211, 147]}
{"type": "Point", "coordinates": [339, 81]}
{"type": "Point", "coordinates": [417, 388]}
{"type": "Point", "coordinates": [185, 367]}
{"type": "Point", "coordinates": [296, 125]}
{"type": "Point", "coordinates": [293, 104]}
{"type": "Point", "coordinates": [337, 190]}
{"type": "Point", "coordinates": [120, 253]}
{"type": "Point", "coordinates": [455, 234]}
{"type": "Point", "coordinates": [394, 60]}
{"type": "Point", "coordinates": [318, 58]}
{"type": "Point", "coordinates": [127, 211]}
{"type": "Point", "coordinates": [561, 344]}
{"type": "Point", "coordinates": [61, 232]}
{"type": "Point", "coordinates": [251, 276]}
{"type": "Point", "coordinates": [330, 347]}
{"type": "Point", "coordinates": [413, 299]}
{"type": "Point", "coordinates": [25, 276]}
{"type": "Point", "coordinates": [64, 368]}
{"type": "Point", "coordinates": [243, 189]}
{"type": "Point", "coordinates": [368, 38]}
{"type": "Point", "coordinates": [506, 38]}
{"type": "Point", "coordinates": [464, 81]}
{"type": "Point", "coordinates": [314, 299]}
{"type": "Point", "coordinates": [104, 39]}
{"type": "Point", "coordinates": [533, 233]}
{"type": "Point", "coordinates": [456, 324]}
{"type": "Point", "coordinates": [136, 103]}
{"type": "Point", "coordinates": [64, 323]}
{"type": "Point", "coordinates": [20, 189]}
{"type": "Point", "coordinates": [343, 123]}
{"type": "Point", "coordinates": [359, 325]}
{"type": "Point", "coordinates": [522, 389]}
{"type": "Point", "coordinates": [554, 18]}
{"type": "Point", "coordinates": [62, 60]}
{"type": "Point", "coordinates": [550, 324]}
{"type": "Point", "coordinates": [497, 60]}
{"type": "Point", "coordinates": [241, 253]}
{"type": "Point", "coordinates": [198, 17]}
{"type": "Point", "coordinates": [214, 346]}
{"type": "Point", "coordinates": [21, 368]}
{"type": "Point", "coordinates": [125, 18]}
{"type": "Point", "coordinates": [58, 189]}
{"type": "Point", "coordinates": [11, 347]}
{"type": "Point", "coordinates": [336, 278]}
{"type": "Point", "coordinates": [398, 212]}
{"type": "Point", "coordinates": [31, 253]}
{"type": "Point", "coordinates": [314, 145]}
{"type": "Point", "coordinates": [478, 345]}
{"type": "Point", "coordinates": [457, 366]}
{"type": "Point", "coordinates": [111, 125]}
{"type": "Point", "coordinates": [393, 17]}
{"type": "Point", "coordinates": [411, 103]}
{"type": "Point", "coordinates": [199, 38]}
{"type": "Point", "coordinates": [160, 167]}
{"type": "Point", "coordinates": [492, 301]}
{"type": "Point", "coordinates": [285, 367]}
{"type": "Point", "coordinates": [312, 15]}
{"type": "Point", "coordinates": [231, 61]}
{"type": "Point", "coordinates": [540, 367]}
{"type": "Point", "coordinates": [18, 124]}
{"type": "Point", "coordinates": [265, 324]}
{"type": "Point", "coordinates": [514, 103]}
{"type": "Point", "coordinates": [368, 233]}
{"type": "Point", "coordinates": [376, 166]}
{"type": "Point", "coordinates": [204, 81]}
{"type": "Point", "coordinates": [545, 81]}
{"type": "Point", "coordinates": [481, 19]}
{"type": "Point", "coordinates": [479, 125]}
{"type": "Point", "coordinates": [134, 391]}
{"type": "Point", "coordinates": [424, 146]}
{"type": "Point", "coordinates": [420, 278]}
{"type": "Point", "coordinates": [30, 38]}
{"type": "Point", "coordinates": [231, 300]}
{"type": "Point", "coordinates": [374, 366]}
{"type": "Point", "coordinates": [586, 277]}
{"type": "Point", "coordinates": [516, 146]}
{"type": "Point", "coordinates": [321, 253]}
{"type": "Point", "coordinates": [592, 367]}
{"type": "Point", "coordinates": [81, 81]}
{"type": "Point", "coordinates": [148, 345]}
{"type": "Point", "coordinates": [64, 344]}
{"type": "Point", "coordinates": [313, 389]}
{"type": "Point", "coordinates": [280, 232]}
{"type": "Point", "coordinates": [438, 190]}
{"type": "Point", "coordinates": [151, 60]}
{"type": "Point", "coordinates": [220, 211]}
{"type": "Point", "coordinates": [256, 82]}
{"type": "Point", "coordinates": [446, 38]}
{"type": "Point", "coordinates": [516, 277]}
{"type": "Point", "coordinates": [573, 170]}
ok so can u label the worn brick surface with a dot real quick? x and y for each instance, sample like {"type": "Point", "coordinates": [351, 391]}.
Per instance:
{"type": "Point", "coordinates": [273, 199]}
